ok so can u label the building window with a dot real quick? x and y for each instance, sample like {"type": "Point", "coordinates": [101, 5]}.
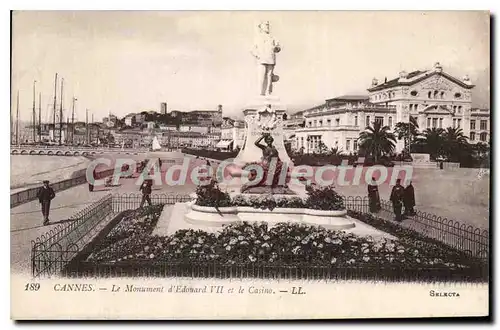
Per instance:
{"type": "Point", "coordinates": [320, 123]}
{"type": "Point", "coordinates": [429, 95]}
{"type": "Point", "coordinates": [315, 123]}
{"type": "Point", "coordinates": [329, 122]}
{"type": "Point", "coordinates": [472, 124]}
{"type": "Point", "coordinates": [379, 120]}
{"type": "Point", "coordinates": [483, 124]}
{"type": "Point", "coordinates": [411, 107]}
{"type": "Point", "coordinates": [416, 107]}
{"type": "Point", "coordinates": [355, 145]}
{"type": "Point", "coordinates": [442, 95]}
{"type": "Point", "coordinates": [440, 122]}
{"type": "Point", "coordinates": [454, 123]}
{"type": "Point", "coordinates": [459, 123]}
{"type": "Point", "coordinates": [434, 122]}
{"type": "Point", "coordinates": [483, 137]}
{"type": "Point", "coordinates": [472, 136]}
{"type": "Point", "coordinates": [458, 95]}
{"type": "Point", "coordinates": [355, 120]}
{"type": "Point", "coordinates": [459, 109]}
{"type": "Point", "coordinates": [367, 121]}
{"type": "Point", "coordinates": [347, 145]}
{"type": "Point", "coordinates": [436, 94]}
{"type": "Point", "coordinates": [337, 122]}
{"type": "Point", "coordinates": [413, 93]}
{"type": "Point", "coordinates": [390, 121]}
{"type": "Point", "coordinates": [428, 123]}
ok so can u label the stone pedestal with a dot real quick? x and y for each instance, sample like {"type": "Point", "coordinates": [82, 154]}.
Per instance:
{"type": "Point", "coordinates": [251, 153]}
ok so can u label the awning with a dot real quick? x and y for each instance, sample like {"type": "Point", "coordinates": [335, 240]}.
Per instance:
{"type": "Point", "coordinates": [224, 143]}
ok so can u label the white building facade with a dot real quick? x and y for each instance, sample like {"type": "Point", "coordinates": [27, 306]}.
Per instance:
{"type": "Point", "coordinates": [232, 135]}
{"type": "Point", "coordinates": [435, 98]}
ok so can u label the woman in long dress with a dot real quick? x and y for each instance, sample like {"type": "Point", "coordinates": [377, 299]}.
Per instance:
{"type": "Point", "coordinates": [373, 196]}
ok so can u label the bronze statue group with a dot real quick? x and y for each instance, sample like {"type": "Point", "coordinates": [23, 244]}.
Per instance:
{"type": "Point", "coordinates": [400, 196]}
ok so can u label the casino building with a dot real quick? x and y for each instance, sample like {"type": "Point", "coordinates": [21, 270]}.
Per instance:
{"type": "Point", "coordinates": [434, 97]}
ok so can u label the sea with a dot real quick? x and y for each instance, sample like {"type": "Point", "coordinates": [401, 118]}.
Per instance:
{"type": "Point", "coordinates": [27, 171]}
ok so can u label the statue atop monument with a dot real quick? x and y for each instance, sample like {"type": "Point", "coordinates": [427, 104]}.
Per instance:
{"type": "Point", "coordinates": [264, 51]}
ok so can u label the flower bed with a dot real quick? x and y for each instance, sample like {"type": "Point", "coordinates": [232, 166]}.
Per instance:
{"type": "Point", "coordinates": [284, 244]}
{"type": "Point", "coordinates": [319, 198]}
{"type": "Point", "coordinates": [430, 245]}
{"type": "Point", "coordinates": [136, 225]}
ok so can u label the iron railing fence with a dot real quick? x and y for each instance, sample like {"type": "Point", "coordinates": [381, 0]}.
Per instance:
{"type": "Point", "coordinates": [131, 201]}
{"type": "Point", "coordinates": [460, 236]}
{"type": "Point", "coordinates": [52, 251]}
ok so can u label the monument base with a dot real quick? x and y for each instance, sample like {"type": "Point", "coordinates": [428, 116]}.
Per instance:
{"type": "Point", "coordinates": [185, 216]}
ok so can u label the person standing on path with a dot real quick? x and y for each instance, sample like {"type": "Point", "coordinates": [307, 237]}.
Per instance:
{"type": "Point", "coordinates": [91, 183]}
{"type": "Point", "coordinates": [373, 196]}
{"type": "Point", "coordinates": [45, 195]}
{"type": "Point", "coordinates": [397, 196]}
{"type": "Point", "coordinates": [146, 192]}
{"type": "Point", "coordinates": [409, 200]}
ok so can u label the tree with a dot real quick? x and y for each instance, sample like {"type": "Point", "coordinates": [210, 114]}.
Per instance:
{"type": "Point", "coordinates": [432, 141]}
{"type": "Point", "coordinates": [455, 144]}
{"type": "Point", "coordinates": [377, 140]}
{"type": "Point", "coordinates": [335, 151]}
{"type": "Point", "coordinates": [110, 139]}
{"type": "Point", "coordinates": [407, 131]}
{"type": "Point", "coordinates": [322, 148]}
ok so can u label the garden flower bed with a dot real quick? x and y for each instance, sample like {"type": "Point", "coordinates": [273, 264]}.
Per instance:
{"type": "Point", "coordinates": [282, 245]}
{"type": "Point", "coordinates": [319, 198]}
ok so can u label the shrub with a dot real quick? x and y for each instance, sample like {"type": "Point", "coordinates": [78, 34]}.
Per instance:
{"type": "Point", "coordinates": [211, 195]}
{"type": "Point", "coordinates": [323, 198]}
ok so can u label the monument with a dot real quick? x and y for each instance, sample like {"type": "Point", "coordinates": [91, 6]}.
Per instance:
{"type": "Point", "coordinates": [263, 121]}
{"type": "Point", "coordinates": [262, 170]}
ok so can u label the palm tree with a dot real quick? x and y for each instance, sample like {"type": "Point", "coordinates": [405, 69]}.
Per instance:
{"type": "Point", "coordinates": [407, 131]}
{"type": "Point", "coordinates": [433, 141]}
{"type": "Point", "coordinates": [322, 148]}
{"type": "Point", "coordinates": [335, 151]}
{"type": "Point", "coordinates": [455, 143]}
{"type": "Point", "coordinates": [377, 140]}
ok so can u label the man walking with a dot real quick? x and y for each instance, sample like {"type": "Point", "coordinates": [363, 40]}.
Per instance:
{"type": "Point", "coordinates": [397, 195]}
{"type": "Point", "coordinates": [45, 195]}
{"type": "Point", "coordinates": [146, 192]}
{"type": "Point", "coordinates": [409, 200]}
{"type": "Point", "coordinates": [373, 196]}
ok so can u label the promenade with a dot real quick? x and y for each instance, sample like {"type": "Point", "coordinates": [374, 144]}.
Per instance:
{"type": "Point", "coordinates": [26, 219]}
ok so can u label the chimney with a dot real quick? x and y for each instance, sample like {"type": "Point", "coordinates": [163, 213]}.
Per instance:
{"type": "Point", "coordinates": [403, 75]}
{"type": "Point", "coordinates": [374, 82]}
{"type": "Point", "coordinates": [466, 80]}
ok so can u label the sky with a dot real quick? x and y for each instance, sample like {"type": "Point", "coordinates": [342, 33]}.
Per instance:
{"type": "Point", "coordinates": [129, 61]}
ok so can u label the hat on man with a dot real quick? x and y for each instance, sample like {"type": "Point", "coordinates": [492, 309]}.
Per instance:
{"type": "Point", "coordinates": [45, 181]}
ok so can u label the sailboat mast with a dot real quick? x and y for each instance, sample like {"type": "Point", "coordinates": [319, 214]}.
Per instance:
{"type": "Point", "coordinates": [86, 126]}
{"type": "Point", "coordinates": [54, 112]}
{"type": "Point", "coordinates": [40, 117]}
{"type": "Point", "coordinates": [11, 126]}
{"type": "Point", "coordinates": [61, 113]}
{"type": "Point", "coordinates": [34, 112]}
{"type": "Point", "coordinates": [17, 120]}
{"type": "Point", "coordinates": [73, 121]}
